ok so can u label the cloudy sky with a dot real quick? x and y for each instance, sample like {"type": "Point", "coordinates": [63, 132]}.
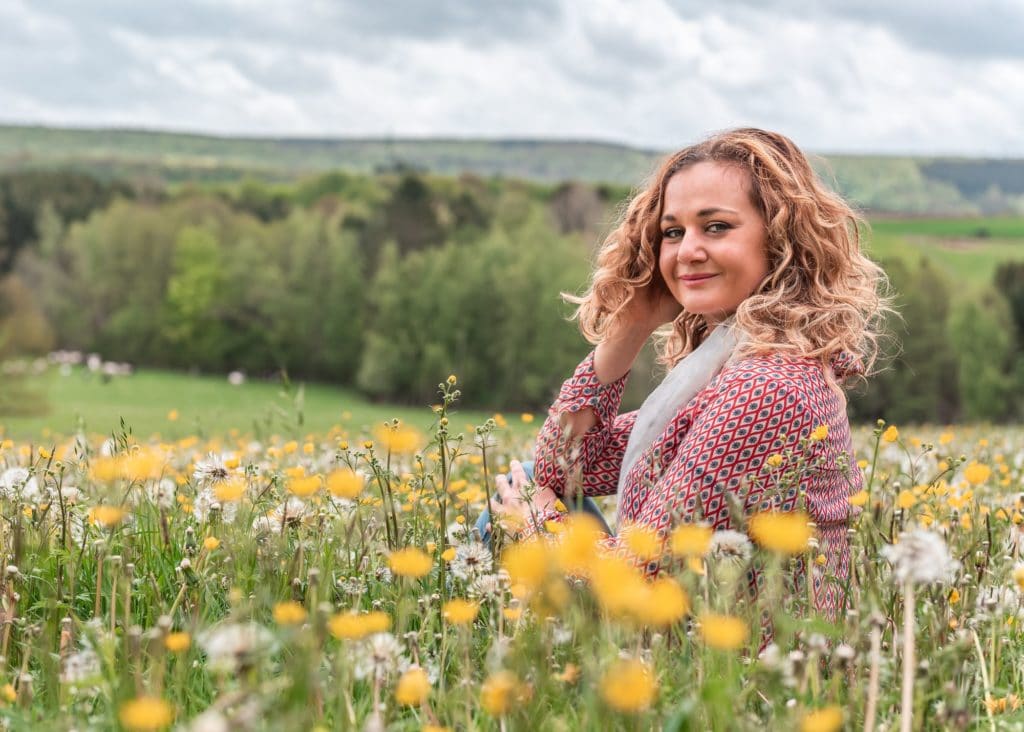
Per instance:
{"type": "Point", "coordinates": [889, 76]}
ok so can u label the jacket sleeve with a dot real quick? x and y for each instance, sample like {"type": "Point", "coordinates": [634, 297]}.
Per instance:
{"type": "Point", "coordinates": [593, 460]}
{"type": "Point", "coordinates": [725, 451]}
{"type": "Point", "coordinates": [735, 428]}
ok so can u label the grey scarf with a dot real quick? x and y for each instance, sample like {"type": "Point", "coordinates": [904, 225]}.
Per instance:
{"type": "Point", "coordinates": [679, 386]}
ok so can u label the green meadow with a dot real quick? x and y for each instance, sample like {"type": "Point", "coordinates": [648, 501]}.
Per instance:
{"type": "Point", "coordinates": [173, 405]}
{"type": "Point", "coordinates": [968, 250]}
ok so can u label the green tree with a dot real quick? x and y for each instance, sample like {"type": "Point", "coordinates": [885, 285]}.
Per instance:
{"type": "Point", "coordinates": [918, 381]}
{"type": "Point", "coordinates": [982, 333]}
{"type": "Point", "coordinates": [190, 324]}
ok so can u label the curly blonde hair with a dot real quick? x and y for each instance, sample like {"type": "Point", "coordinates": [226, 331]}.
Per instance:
{"type": "Point", "coordinates": [821, 295]}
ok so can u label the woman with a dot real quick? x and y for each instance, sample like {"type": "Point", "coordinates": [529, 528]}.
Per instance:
{"type": "Point", "coordinates": [758, 268]}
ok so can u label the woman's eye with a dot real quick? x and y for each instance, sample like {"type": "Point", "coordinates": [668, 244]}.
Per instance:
{"type": "Point", "coordinates": [717, 227]}
{"type": "Point", "coordinates": [673, 233]}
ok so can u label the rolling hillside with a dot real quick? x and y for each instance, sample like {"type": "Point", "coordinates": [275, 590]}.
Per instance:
{"type": "Point", "coordinates": [900, 185]}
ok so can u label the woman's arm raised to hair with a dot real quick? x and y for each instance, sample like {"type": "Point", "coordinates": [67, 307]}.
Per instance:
{"type": "Point", "coordinates": [588, 404]}
{"type": "Point", "coordinates": [613, 358]}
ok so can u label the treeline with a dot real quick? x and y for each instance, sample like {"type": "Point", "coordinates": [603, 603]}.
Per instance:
{"type": "Point", "coordinates": [388, 283]}
{"type": "Point", "coordinates": [950, 356]}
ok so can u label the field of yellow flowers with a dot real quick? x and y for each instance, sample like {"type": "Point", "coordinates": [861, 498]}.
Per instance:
{"type": "Point", "coordinates": [334, 582]}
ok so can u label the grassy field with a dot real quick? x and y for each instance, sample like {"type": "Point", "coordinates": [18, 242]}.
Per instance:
{"type": "Point", "coordinates": [968, 250]}
{"type": "Point", "coordinates": [317, 586]}
{"type": "Point", "coordinates": [208, 405]}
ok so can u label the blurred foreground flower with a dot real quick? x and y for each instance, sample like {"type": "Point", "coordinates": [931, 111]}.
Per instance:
{"type": "Point", "coordinates": [410, 562]}
{"type": "Point", "coordinates": [781, 532]}
{"type": "Point", "coordinates": [501, 692]}
{"type": "Point", "coordinates": [413, 687]}
{"type": "Point", "coordinates": [691, 540]}
{"type": "Point", "coordinates": [289, 613]}
{"type": "Point", "coordinates": [146, 713]}
{"type": "Point", "coordinates": [829, 719]}
{"type": "Point", "coordinates": [353, 626]}
{"type": "Point", "coordinates": [628, 685]}
{"type": "Point", "coordinates": [724, 632]}
{"type": "Point", "coordinates": [921, 557]}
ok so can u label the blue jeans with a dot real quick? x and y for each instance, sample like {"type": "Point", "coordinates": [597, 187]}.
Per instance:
{"type": "Point", "coordinates": [587, 505]}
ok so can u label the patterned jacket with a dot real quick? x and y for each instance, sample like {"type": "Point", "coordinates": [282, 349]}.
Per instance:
{"type": "Point", "coordinates": [718, 445]}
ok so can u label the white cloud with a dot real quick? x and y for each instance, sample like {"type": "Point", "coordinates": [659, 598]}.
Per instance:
{"type": "Point", "coordinates": [654, 73]}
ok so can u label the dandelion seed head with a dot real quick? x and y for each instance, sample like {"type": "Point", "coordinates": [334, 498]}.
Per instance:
{"type": "Point", "coordinates": [920, 557]}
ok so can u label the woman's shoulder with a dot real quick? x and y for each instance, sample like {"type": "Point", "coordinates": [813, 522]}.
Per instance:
{"type": "Point", "coordinates": [778, 369]}
{"type": "Point", "coordinates": [800, 378]}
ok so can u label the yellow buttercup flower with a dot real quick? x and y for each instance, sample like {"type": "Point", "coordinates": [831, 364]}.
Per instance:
{"type": "Point", "coordinates": [345, 483]}
{"type": "Point", "coordinates": [828, 719]}
{"type": "Point", "coordinates": [413, 688]}
{"type": "Point", "coordinates": [501, 692]}
{"type": "Point", "coordinates": [107, 516]}
{"type": "Point", "coordinates": [628, 685]}
{"type": "Point", "coordinates": [304, 487]}
{"type": "Point", "coordinates": [781, 532]}
{"type": "Point", "coordinates": [773, 461]}
{"type": "Point", "coordinates": [177, 642]}
{"type": "Point", "coordinates": [527, 563]}
{"type": "Point", "coordinates": [289, 613]}
{"type": "Point", "coordinates": [977, 473]}
{"type": "Point", "coordinates": [820, 433]}
{"type": "Point", "coordinates": [620, 588]}
{"type": "Point", "coordinates": [891, 434]}
{"type": "Point", "coordinates": [664, 603]}
{"type": "Point", "coordinates": [906, 499]}
{"type": "Point", "coordinates": [231, 489]}
{"type": "Point", "coordinates": [724, 632]}
{"type": "Point", "coordinates": [578, 543]}
{"type": "Point", "coordinates": [146, 713]}
{"type": "Point", "coordinates": [691, 540]}
{"type": "Point", "coordinates": [860, 498]}
{"type": "Point", "coordinates": [398, 440]}
{"type": "Point", "coordinates": [642, 541]}
{"type": "Point", "coordinates": [410, 562]}
{"type": "Point", "coordinates": [460, 612]}
{"type": "Point", "coordinates": [353, 626]}
{"type": "Point", "coordinates": [211, 543]}
{"type": "Point", "coordinates": [1018, 576]}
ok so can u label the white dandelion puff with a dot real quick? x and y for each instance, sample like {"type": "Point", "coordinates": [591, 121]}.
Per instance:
{"type": "Point", "coordinates": [729, 544]}
{"type": "Point", "coordinates": [471, 560]}
{"type": "Point", "coordinates": [920, 557]}
{"type": "Point", "coordinates": [235, 646]}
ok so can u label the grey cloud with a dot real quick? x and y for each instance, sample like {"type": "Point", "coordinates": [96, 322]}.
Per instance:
{"type": "Point", "coordinates": [476, 22]}
{"type": "Point", "coordinates": [334, 25]}
{"type": "Point", "coordinates": [982, 28]}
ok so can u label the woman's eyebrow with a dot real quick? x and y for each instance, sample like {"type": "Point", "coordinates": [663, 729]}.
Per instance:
{"type": "Point", "coordinates": [713, 210]}
{"type": "Point", "coordinates": [704, 212]}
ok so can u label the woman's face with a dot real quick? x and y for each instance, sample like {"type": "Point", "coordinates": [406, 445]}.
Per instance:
{"type": "Point", "coordinates": [713, 239]}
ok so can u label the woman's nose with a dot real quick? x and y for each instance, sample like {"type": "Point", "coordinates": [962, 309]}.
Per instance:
{"type": "Point", "coordinates": [691, 249]}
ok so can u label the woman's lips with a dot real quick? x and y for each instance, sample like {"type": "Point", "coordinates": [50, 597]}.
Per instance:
{"type": "Point", "coordinates": [695, 279]}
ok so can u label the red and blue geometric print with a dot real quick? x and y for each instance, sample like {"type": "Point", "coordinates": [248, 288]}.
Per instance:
{"type": "Point", "coordinates": [717, 446]}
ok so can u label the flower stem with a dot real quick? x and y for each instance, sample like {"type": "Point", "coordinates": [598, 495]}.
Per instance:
{"type": "Point", "coordinates": [907, 702]}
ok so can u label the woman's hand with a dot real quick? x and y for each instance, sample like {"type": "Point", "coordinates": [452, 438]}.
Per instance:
{"type": "Point", "coordinates": [521, 500]}
{"type": "Point", "coordinates": [652, 306]}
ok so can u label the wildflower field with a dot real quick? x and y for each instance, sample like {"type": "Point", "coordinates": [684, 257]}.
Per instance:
{"type": "Point", "coordinates": [330, 581]}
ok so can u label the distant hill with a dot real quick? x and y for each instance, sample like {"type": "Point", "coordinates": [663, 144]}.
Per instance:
{"type": "Point", "coordinates": [899, 185]}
